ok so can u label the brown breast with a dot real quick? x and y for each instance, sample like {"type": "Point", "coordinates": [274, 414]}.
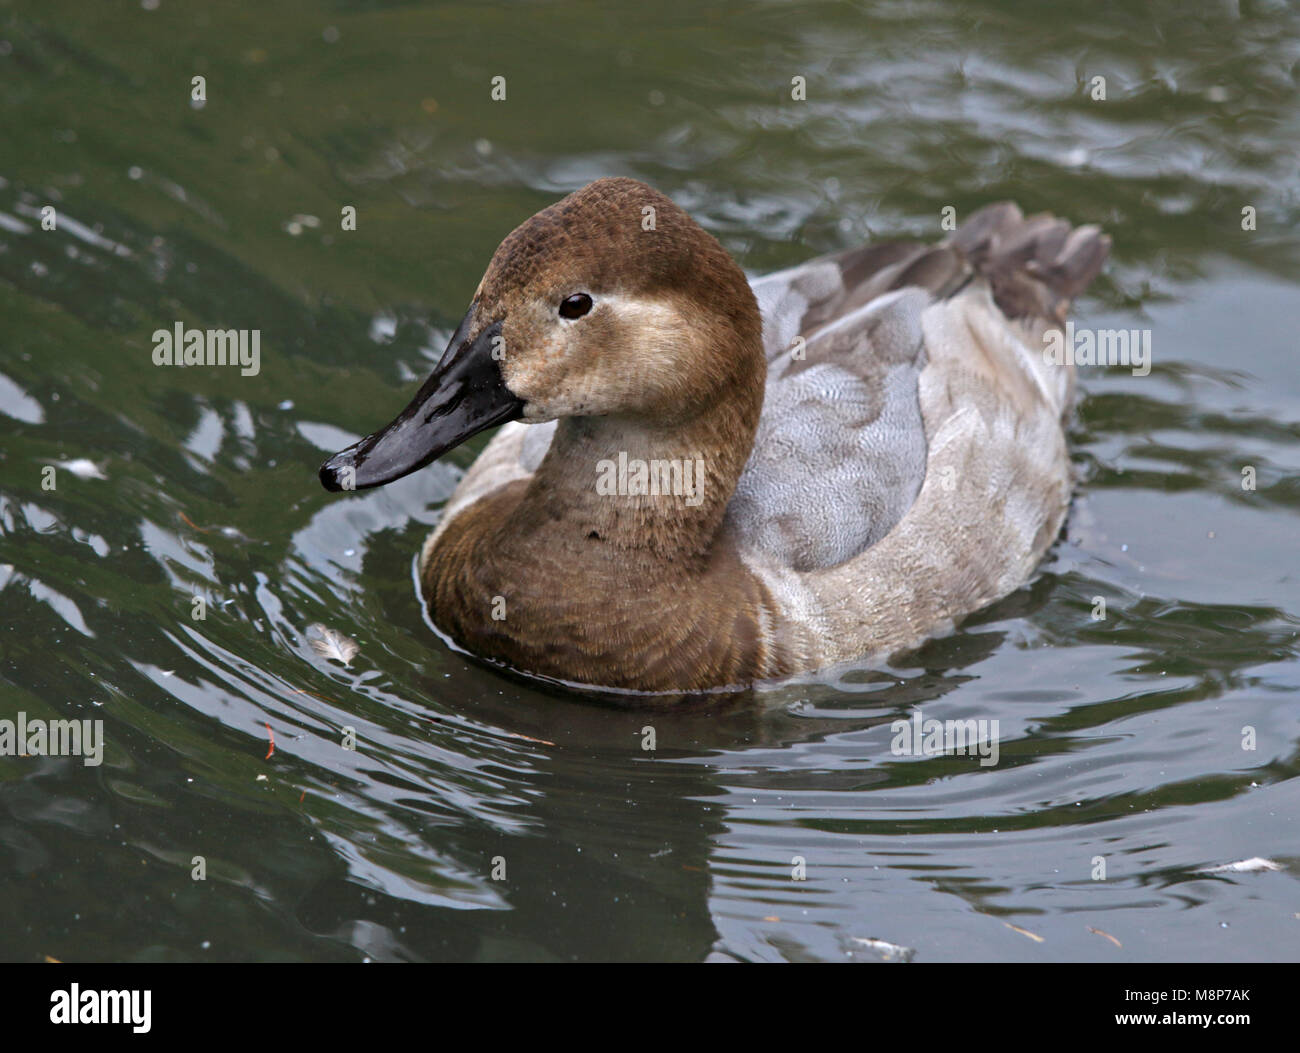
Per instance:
{"type": "Point", "coordinates": [549, 599]}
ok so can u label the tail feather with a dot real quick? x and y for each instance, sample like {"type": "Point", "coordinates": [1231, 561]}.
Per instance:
{"type": "Point", "coordinates": [1036, 265]}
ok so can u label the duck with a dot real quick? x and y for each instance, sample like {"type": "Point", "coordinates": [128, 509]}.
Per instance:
{"type": "Point", "coordinates": [701, 483]}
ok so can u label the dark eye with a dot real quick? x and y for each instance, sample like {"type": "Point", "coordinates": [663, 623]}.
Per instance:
{"type": "Point", "coordinates": [575, 306]}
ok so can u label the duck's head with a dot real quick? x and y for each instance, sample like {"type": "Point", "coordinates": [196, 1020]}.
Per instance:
{"type": "Point", "coordinates": [610, 303]}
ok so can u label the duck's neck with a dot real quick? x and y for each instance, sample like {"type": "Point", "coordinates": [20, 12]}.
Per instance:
{"type": "Point", "coordinates": [656, 488]}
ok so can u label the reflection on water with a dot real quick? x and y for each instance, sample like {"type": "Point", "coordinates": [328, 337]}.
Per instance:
{"type": "Point", "coordinates": [480, 818]}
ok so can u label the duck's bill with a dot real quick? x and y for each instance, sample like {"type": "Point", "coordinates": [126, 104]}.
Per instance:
{"type": "Point", "coordinates": [464, 395]}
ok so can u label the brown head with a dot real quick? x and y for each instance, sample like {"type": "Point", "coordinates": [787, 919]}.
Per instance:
{"type": "Point", "coordinates": [612, 303]}
{"type": "Point", "coordinates": [615, 301]}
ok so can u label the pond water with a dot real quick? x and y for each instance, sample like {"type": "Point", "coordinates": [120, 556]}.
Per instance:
{"type": "Point", "coordinates": [1122, 739]}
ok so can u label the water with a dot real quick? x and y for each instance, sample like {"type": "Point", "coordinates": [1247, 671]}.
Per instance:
{"type": "Point", "coordinates": [1121, 739]}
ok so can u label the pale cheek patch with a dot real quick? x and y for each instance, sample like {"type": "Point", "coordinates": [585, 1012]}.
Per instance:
{"type": "Point", "coordinates": [656, 322]}
{"type": "Point", "coordinates": [661, 353]}
{"type": "Point", "coordinates": [570, 371]}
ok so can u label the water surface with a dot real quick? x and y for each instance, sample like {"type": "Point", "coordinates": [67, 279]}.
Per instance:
{"type": "Point", "coordinates": [1121, 738]}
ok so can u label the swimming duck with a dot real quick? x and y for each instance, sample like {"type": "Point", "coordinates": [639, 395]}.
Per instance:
{"type": "Point", "coordinates": [704, 483]}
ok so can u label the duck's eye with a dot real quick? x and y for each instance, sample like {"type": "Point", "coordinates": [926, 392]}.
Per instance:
{"type": "Point", "coordinates": [575, 306]}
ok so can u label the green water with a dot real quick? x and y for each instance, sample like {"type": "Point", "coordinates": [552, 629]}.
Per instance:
{"type": "Point", "coordinates": [1121, 738]}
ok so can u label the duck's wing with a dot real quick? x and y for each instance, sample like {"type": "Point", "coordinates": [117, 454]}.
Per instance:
{"type": "Point", "coordinates": [947, 488]}
{"type": "Point", "coordinates": [840, 450]}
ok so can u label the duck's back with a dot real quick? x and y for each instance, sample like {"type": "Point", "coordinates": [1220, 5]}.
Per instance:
{"type": "Point", "coordinates": [948, 489]}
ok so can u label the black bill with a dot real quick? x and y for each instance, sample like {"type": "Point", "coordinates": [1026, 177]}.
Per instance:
{"type": "Point", "coordinates": [464, 395]}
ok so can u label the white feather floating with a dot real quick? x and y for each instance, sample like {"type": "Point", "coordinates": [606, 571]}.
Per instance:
{"type": "Point", "coordinates": [332, 644]}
